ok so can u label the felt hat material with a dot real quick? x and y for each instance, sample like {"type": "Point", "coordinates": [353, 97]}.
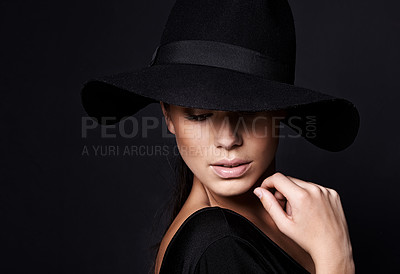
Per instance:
{"type": "Point", "coordinates": [231, 55]}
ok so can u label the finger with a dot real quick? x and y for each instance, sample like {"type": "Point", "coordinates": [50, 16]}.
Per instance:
{"type": "Point", "coordinates": [272, 206]}
{"type": "Point", "coordinates": [288, 209]}
{"type": "Point", "coordinates": [333, 193]}
{"type": "Point", "coordinates": [295, 180]}
{"type": "Point", "coordinates": [284, 185]}
{"type": "Point", "coordinates": [281, 199]}
{"type": "Point", "coordinates": [305, 184]}
{"type": "Point", "coordinates": [335, 200]}
{"type": "Point", "coordinates": [279, 196]}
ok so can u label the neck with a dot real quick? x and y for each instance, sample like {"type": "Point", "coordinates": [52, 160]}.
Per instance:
{"type": "Point", "coordinates": [246, 204]}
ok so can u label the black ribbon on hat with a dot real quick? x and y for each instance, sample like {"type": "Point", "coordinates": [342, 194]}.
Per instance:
{"type": "Point", "coordinates": [222, 55]}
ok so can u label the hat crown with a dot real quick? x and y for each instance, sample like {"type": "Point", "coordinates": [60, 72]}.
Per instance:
{"type": "Point", "coordinates": [265, 26]}
{"type": "Point", "coordinates": [229, 55]}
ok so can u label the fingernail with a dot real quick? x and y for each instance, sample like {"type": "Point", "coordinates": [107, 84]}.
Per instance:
{"type": "Point", "coordinates": [258, 192]}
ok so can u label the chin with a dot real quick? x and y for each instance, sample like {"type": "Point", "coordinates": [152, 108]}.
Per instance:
{"type": "Point", "coordinates": [232, 187]}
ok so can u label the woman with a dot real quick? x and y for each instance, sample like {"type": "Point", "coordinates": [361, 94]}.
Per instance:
{"type": "Point", "coordinates": [224, 76]}
{"type": "Point", "coordinates": [205, 137]}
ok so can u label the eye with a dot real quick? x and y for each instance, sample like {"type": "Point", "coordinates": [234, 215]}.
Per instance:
{"type": "Point", "coordinates": [198, 118]}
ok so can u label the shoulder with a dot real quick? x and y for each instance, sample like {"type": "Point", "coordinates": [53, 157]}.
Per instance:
{"type": "Point", "coordinates": [219, 240]}
{"type": "Point", "coordinates": [194, 236]}
{"type": "Point", "coordinates": [200, 229]}
{"type": "Point", "coordinates": [232, 254]}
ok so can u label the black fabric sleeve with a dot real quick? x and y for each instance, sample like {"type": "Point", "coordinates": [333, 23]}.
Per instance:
{"type": "Point", "coordinates": [232, 255]}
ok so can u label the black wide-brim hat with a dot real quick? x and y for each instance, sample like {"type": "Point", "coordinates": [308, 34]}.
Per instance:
{"type": "Point", "coordinates": [231, 56]}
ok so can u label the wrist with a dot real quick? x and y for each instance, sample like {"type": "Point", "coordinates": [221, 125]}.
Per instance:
{"type": "Point", "coordinates": [335, 265]}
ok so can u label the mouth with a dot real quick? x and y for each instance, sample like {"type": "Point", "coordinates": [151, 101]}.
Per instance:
{"type": "Point", "coordinates": [231, 162]}
{"type": "Point", "coordinates": [231, 171]}
{"type": "Point", "coordinates": [230, 166]}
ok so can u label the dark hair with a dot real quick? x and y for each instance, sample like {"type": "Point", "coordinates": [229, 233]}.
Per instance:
{"type": "Point", "coordinates": [182, 188]}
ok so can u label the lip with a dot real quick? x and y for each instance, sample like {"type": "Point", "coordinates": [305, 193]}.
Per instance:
{"type": "Point", "coordinates": [235, 161]}
{"type": "Point", "coordinates": [231, 172]}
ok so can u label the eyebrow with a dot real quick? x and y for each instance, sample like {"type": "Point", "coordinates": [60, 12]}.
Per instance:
{"type": "Point", "coordinates": [191, 110]}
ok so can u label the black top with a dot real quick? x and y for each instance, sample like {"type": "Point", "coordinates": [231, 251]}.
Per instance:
{"type": "Point", "coordinates": [218, 240]}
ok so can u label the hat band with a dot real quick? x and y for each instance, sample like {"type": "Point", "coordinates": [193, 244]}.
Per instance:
{"type": "Point", "coordinates": [222, 55]}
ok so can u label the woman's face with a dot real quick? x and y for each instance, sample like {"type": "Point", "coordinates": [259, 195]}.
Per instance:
{"type": "Point", "coordinates": [206, 137]}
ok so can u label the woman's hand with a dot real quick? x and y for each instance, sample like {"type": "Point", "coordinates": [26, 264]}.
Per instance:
{"type": "Point", "coordinates": [313, 217]}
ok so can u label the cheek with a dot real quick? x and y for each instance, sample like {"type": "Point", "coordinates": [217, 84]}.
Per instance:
{"type": "Point", "coordinates": [261, 127]}
{"type": "Point", "coordinates": [193, 142]}
{"type": "Point", "coordinates": [262, 142]}
{"type": "Point", "coordinates": [263, 149]}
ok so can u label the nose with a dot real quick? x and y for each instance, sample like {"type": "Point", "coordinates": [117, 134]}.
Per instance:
{"type": "Point", "coordinates": [228, 134]}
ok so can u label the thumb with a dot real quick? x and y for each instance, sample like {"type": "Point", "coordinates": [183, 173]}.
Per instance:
{"type": "Point", "coordinates": [272, 206]}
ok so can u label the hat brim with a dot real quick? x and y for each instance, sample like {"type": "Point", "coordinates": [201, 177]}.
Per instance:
{"type": "Point", "coordinates": [328, 122]}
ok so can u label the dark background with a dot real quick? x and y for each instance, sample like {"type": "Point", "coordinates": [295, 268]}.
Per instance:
{"type": "Point", "coordinates": [64, 212]}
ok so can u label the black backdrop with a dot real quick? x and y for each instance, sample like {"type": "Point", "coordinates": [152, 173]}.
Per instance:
{"type": "Point", "coordinates": [64, 211]}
